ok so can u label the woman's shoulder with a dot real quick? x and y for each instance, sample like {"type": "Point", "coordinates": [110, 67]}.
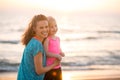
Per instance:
{"type": "Point", "coordinates": [35, 41]}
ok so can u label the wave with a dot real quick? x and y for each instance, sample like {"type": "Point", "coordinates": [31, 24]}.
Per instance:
{"type": "Point", "coordinates": [10, 42]}
{"type": "Point", "coordinates": [85, 38]}
{"type": "Point", "coordinates": [96, 35]}
{"type": "Point", "coordinates": [6, 66]}
{"type": "Point", "coordinates": [93, 38]}
{"type": "Point", "coordinates": [88, 61]}
{"type": "Point", "coordinates": [111, 61]}
{"type": "Point", "coordinates": [89, 31]}
{"type": "Point", "coordinates": [118, 32]}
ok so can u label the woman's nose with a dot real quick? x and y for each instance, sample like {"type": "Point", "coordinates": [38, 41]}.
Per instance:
{"type": "Point", "coordinates": [45, 29]}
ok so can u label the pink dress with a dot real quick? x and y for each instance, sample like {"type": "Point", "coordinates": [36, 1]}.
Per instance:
{"type": "Point", "coordinates": [54, 48]}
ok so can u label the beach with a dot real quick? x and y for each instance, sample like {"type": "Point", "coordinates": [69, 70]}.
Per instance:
{"type": "Point", "coordinates": [75, 75]}
{"type": "Point", "coordinates": [90, 41]}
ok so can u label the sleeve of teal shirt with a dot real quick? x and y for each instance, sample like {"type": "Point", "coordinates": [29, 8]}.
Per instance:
{"type": "Point", "coordinates": [37, 47]}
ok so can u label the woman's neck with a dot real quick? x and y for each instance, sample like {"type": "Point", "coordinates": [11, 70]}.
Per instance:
{"type": "Point", "coordinates": [38, 38]}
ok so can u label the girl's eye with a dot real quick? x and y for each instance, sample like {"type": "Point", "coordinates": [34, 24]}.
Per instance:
{"type": "Point", "coordinates": [55, 25]}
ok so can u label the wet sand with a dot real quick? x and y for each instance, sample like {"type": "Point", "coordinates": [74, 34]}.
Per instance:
{"type": "Point", "coordinates": [92, 75]}
{"type": "Point", "coordinates": [75, 75]}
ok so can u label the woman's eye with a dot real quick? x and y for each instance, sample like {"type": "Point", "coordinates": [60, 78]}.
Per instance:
{"type": "Point", "coordinates": [41, 27]}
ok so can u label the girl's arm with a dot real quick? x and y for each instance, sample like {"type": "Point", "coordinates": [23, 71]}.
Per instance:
{"type": "Point", "coordinates": [48, 53]}
{"type": "Point", "coordinates": [62, 53]}
{"type": "Point", "coordinates": [38, 64]}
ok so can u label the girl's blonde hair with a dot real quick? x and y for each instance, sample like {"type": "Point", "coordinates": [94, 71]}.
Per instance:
{"type": "Point", "coordinates": [29, 32]}
{"type": "Point", "coordinates": [50, 19]}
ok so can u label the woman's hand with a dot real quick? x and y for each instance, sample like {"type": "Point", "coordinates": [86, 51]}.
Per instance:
{"type": "Point", "coordinates": [56, 62]}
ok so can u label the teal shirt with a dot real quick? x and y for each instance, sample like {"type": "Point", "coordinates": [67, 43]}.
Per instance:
{"type": "Point", "coordinates": [27, 69]}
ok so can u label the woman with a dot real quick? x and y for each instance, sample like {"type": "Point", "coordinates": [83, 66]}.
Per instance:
{"type": "Point", "coordinates": [33, 62]}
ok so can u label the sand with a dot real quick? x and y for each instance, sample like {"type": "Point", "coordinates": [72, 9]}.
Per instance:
{"type": "Point", "coordinates": [75, 75]}
{"type": "Point", "coordinates": [92, 75]}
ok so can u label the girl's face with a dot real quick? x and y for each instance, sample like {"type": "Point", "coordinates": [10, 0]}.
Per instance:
{"type": "Point", "coordinates": [41, 29]}
{"type": "Point", "coordinates": [52, 28]}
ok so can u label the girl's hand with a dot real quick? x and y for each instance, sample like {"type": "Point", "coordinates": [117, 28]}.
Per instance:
{"type": "Point", "coordinates": [59, 57]}
{"type": "Point", "coordinates": [62, 54]}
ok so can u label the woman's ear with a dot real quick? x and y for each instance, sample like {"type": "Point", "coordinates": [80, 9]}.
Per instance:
{"type": "Point", "coordinates": [34, 30]}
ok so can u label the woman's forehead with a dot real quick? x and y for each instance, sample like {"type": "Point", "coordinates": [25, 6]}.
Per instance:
{"type": "Point", "coordinates": [43, 22]}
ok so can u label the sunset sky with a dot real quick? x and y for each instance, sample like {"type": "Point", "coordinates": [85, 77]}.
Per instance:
{"type": "Point", "coordinates": [62, 5]}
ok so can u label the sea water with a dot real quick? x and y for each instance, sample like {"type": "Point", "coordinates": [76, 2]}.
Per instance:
{"type": "Point", "coordinates": [89, 41]}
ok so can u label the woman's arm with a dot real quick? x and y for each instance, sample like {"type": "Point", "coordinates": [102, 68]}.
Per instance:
{"type": "Point", "coordinates": [38, 64]}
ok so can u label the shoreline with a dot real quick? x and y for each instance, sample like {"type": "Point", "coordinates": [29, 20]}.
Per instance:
{"type": "Point", "coordinates": [75, 75]}
{"type": "Point", "coordinates": [93, 75]}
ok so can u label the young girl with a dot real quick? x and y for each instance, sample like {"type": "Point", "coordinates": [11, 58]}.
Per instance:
{"type": "Point", "coordinates": [33, 63]}
{"type": "Point", "coordinates": [53, 51]}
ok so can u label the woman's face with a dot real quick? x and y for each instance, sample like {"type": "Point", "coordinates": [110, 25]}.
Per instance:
{"type": "Point", "coordinates": [42, 29]}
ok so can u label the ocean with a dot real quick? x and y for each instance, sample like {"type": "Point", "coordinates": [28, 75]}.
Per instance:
{"type": "Point", "coordinates": [89, 41]}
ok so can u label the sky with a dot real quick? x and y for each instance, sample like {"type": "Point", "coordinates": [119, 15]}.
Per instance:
{"type": "Point", "coordinates": [62, 5]}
